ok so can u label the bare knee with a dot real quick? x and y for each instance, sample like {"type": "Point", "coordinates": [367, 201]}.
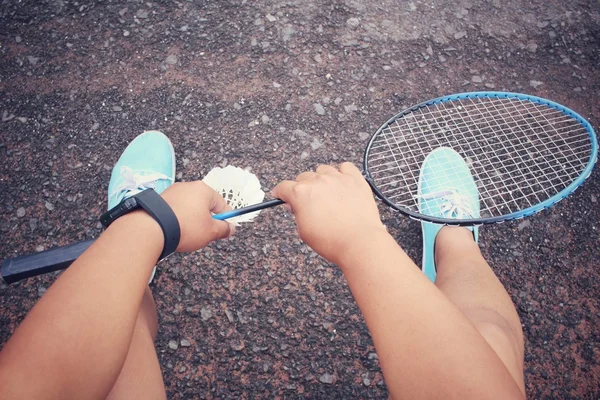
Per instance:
{"type": "Point", "coordinates": [504, 338]}
{"type": "Point", "coordinates": [490, 322]}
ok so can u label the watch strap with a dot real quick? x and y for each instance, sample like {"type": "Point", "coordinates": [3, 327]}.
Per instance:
{"type": "Point", "coordinates": [124, 207]}
{"type": "Point", "coordinates": [158, 209]}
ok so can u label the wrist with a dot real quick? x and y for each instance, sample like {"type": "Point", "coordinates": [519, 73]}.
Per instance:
{"type": "Point", "coordinates": [139, 225]}
{"type": "Point", "coordinates": [368, 242]}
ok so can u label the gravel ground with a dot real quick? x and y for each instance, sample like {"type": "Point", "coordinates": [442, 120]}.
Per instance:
{"type": "Point", "coordinates": [280, 86]}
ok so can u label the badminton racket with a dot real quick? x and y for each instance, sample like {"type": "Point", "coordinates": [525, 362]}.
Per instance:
{"type": "Point", "coordinates": [525, 153]}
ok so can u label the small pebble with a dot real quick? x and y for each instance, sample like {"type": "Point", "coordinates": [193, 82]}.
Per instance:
{"type": "Point", "coordinates": [524, 224]}
{"type": "Point", "coordinates": [326, 378]}
{"type": "Point", "coordinates": [185, 343]}
{"type": "Point", "coordinates": [49, 206]}
{"type": "Point", "coordinates": [319, 108]}
{"type": "Point", "coordinates": [6, 116]}
{"type": "Point", "coordinates": [350, 108]}
{"type": "Point", "coordinates": [173, 345]}
{"type": "Point", "coordinates": [237, 345]}
{"type": "Point", "coordinates": [205, 314]}
{"type": "Point", "coordinates": [316, 144]}
{"type": "Point", "coordinates": [535, 84]}
{"type": "Point", "coordinates": [352, 22]}
{"type": "Point", "coordinates": [300, 133]}
{"type": "Point", "coordinates": [532, 47]}
{"type": "Point", "coordinates": [20, 212]}
{"type": "Point", "coordinates": [142, 14]}
{"type": "Point", "coordinates": [366, 381]}
{"type": "Point", "coordinates": [171, 60]}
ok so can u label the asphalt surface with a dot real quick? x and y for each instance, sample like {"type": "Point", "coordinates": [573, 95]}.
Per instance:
{"type": "Point", "coordinates": [281, 86]}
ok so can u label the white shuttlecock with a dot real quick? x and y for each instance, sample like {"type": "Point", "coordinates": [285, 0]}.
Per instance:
{"type": "Point", "coordinates": [238, 187]}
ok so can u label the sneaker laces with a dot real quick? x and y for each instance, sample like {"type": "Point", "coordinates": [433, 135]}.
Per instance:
{"type": "Point", "coordinates": [134, 183]}
{"type": "Point", "coordinates": [455, 205]}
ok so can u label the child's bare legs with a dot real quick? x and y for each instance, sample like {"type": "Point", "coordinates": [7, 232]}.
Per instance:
{"type": "Point", "coordinates": [468, 281]}
{"type": "Point", "coordinates": [140, 377]}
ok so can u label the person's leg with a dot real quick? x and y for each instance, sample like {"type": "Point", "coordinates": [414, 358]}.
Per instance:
{"type": "Point", "coordinates": [147, 162]}
{"type": "Point", "coordinates": [141, 377]}
{"type": "Point", "coordinates": [467, 280]}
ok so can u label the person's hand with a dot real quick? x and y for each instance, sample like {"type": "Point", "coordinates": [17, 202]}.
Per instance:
{"type": "Point", "coordinates": [334, 208]}
{"type": "Point", "coordinates": [193, 203]}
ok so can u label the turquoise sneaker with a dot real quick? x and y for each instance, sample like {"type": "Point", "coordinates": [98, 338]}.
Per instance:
{"type": "Point", "coordinates": [147, 163]}
{"type": "Point", "coordinates": [446, 190]}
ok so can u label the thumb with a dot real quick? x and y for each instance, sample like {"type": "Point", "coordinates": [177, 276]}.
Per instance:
{"type": "Point", "coordinates": [283, 191]}
{"type": "Point", "coordinates": [221, 229]}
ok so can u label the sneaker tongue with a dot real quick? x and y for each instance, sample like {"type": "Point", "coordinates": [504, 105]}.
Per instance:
{"type": "Point", "coordinates": [454, 205]}
{"type": "Point", "coordinates": [457, 206]}
{"type": "Point", "coordinates": [135, 182]}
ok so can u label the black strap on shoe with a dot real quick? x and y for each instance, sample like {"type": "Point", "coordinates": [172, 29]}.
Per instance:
{"type": "Point", "coordinates": [157, 208]}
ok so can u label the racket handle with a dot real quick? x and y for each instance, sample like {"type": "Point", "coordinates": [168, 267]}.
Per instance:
{"type": "Point", "coordinates": [26, 266]}
{"type": "Point", "coordinates": [245, 210]}
{"type": "Point", "coordinates": [29, 265]}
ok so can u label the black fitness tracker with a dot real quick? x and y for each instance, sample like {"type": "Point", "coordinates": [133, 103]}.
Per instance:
{"type": "Point", "coordinates": [157, 208]}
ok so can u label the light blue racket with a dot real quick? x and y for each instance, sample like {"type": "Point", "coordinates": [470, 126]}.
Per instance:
{"type": "Point", "coordinates": [525, 154]}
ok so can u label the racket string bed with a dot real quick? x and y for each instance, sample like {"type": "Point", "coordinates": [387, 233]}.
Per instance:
{"type": "Point", "coordinates": [520, 152]}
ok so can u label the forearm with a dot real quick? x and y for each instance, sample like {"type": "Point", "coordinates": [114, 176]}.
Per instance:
{"type": "Point", "coordinates": [409, 319]}
{"type": "Point", "coordinates": [75, 340]}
